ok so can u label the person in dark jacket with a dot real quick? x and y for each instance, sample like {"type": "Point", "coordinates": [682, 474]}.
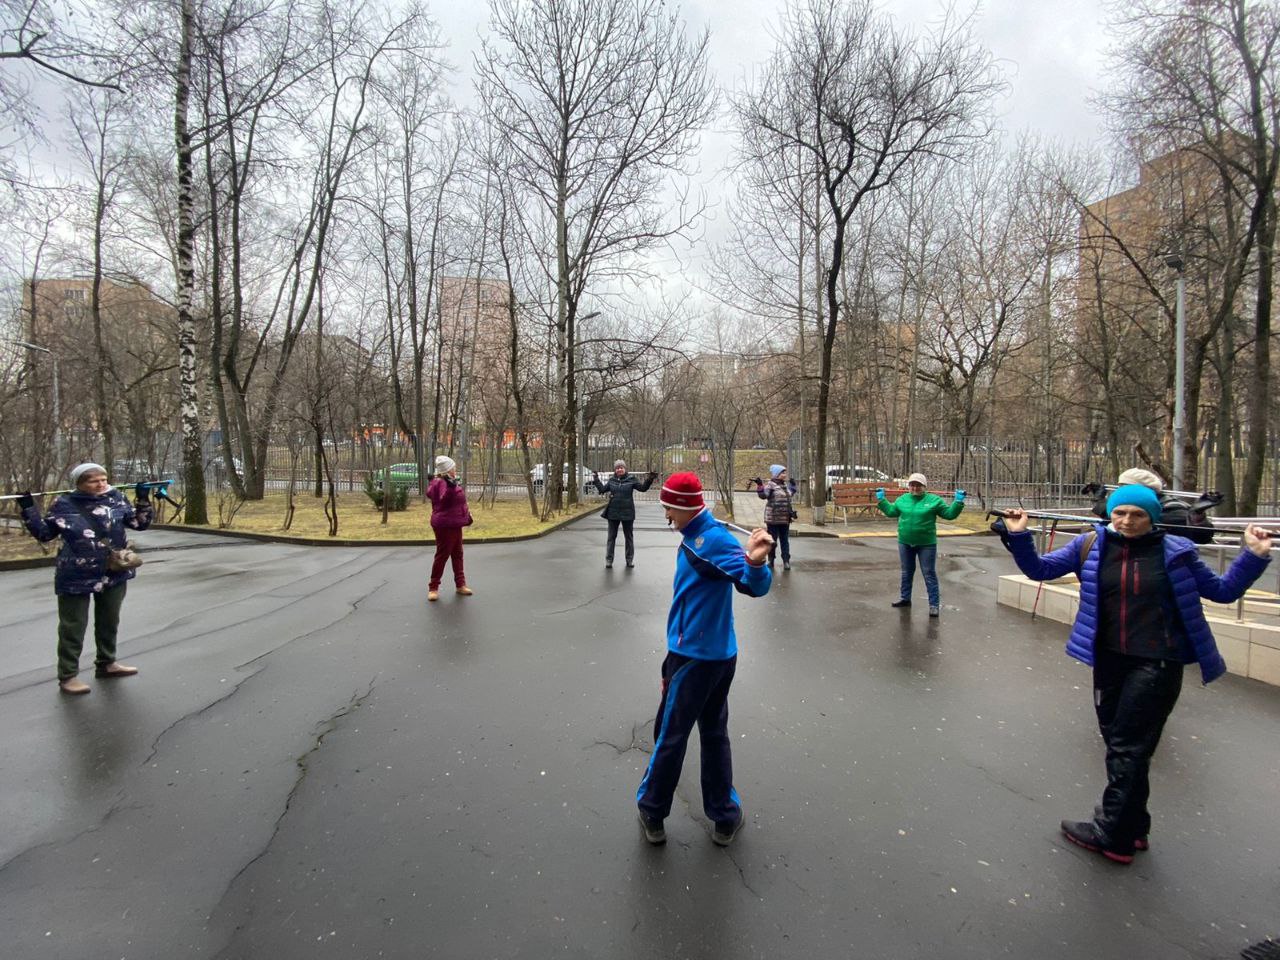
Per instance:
{"type": "Point", "coordinates": [449, 514]}
{"type": "Point", "coordinates": [621, 508]}
{"type": "Point", "coordinates": [1174, 512]}
{"type": "Point", "coordinates": [1140, 620]}
{"type": "Point", "coordinates": [91, 522]}
{"type": "Point", "coordinates": [778, 511]}
{"type": "Point", "coordinates": [702, 655]}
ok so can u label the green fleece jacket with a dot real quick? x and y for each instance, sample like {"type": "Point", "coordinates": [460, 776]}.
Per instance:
{"type": "Point", "coordinates": [917, 516]}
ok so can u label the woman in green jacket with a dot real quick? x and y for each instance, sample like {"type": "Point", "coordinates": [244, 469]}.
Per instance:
{"type": "Point", "coordinates": [917, 512]}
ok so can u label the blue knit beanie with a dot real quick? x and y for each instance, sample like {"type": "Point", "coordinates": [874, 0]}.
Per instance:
{"type": "Point", "coordinates": [1144, 498]}
{"type": "Point", "coordinates": [775, 470]}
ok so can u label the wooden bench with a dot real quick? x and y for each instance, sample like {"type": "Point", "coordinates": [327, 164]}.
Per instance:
{"type": "Point", "coordinates": [860, 497]}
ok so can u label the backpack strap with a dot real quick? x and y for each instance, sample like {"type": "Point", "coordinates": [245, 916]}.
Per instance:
{"type": "Point", "coordinates": [1086, 544]}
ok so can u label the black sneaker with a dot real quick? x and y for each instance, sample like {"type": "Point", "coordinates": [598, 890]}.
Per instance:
{"type": "Point", "coordinates": [724, 833]}
{"type": "Point", "coordinates": [786, 564]}
{"type": "Point", "coordinates": [608, 564]}
{"type": "Point", "coordinates": [630, 565]}
{"type": "Point", "coordinates": [1139, 843]}
{"type": "Point", "coordinates": [654, 832]}
{"type": "Point", "coordinates": [900, 603]}
{"type": "Point", "coordinates": [933, 612]}
{"type": "Point", "coordinates": [1084, 833]}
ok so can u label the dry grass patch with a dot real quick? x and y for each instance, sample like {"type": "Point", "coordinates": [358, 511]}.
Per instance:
{"type": "Point", "coordinates": [359, 519]}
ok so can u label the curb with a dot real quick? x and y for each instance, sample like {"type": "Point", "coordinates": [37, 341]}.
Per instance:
{"type": "Point", "coordinates": [339, 542]}
{"type": "Point", "coordinates": [32, 562]}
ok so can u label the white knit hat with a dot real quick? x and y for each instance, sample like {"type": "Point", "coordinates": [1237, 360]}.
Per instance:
{"type": "Point", "coordinates": [79, 470]}
{"type": "Point", "coordinates": [445, 464]}
{"type": "Point", "coordinates": [1141, 477]}
{"type": "Point", "coordinates": [918, 478]}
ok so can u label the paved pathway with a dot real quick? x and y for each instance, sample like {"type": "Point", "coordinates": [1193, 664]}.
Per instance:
{"type": "Point", "coordinates": [315, 763]}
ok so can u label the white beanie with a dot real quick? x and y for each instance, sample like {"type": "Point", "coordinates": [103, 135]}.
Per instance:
{"type": "Point", "coordinates": [1140, 477]}
{"type": "Point", "coordinates": [445, 464]}
{"type": "Point", "coordinates": [81, 469]}
{"type": "Point", "coordinates": [918, 478]}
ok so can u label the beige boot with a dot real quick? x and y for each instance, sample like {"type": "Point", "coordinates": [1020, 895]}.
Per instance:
{"type": "Point", "coordinates": [465, 591]}
{"type": "Point", "coordinates": [114, 669]}
{"type": "Point", "coordinates": [433, 594]}
{"type": "Point", "coordinates": [74, 686]}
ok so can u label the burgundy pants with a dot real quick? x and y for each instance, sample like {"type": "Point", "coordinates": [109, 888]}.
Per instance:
{"type": "Point", "coordinates": [448, 547]}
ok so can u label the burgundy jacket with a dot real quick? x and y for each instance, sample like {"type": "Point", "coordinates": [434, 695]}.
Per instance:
{"type": "Point", "coordinates": [448, 504]}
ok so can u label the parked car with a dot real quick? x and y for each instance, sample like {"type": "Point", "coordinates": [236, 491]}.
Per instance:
{"type": "Point", "coordinates": [219, 465]}
{"type": "Point", "coordinates": [539, 473]}
{"type": "Point", "coordinates": [402, 473]}
{"type": "Point", "coordinates": [841, 473]}
{"type": "Point", "coordinates": [130, 470]}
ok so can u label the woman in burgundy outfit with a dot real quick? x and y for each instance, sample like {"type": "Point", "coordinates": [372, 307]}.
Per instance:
{"type": "Point", "coordinates": [449, 514]}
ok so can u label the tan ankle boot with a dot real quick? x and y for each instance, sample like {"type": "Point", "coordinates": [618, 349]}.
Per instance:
{"type": "Point", "coordinates": [465, 591]}
{"type": "Point", "coordinates": [73, 685]}
{"type": "Point", "coordinates": [114, 669]}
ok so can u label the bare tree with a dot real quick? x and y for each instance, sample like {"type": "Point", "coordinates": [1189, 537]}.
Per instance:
{"type": "Point", "coordinates": [1204, 75]}
{"type": "Point", "coordinates": [863, 100]}
{"type": "Point", "coordinates": [597, 102]}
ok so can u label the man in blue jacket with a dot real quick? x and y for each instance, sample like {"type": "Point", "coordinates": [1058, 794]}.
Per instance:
{"type": "Point", "coordinates": [701, 658]}
{"type": "Point", "coordinates": [1140, 620]}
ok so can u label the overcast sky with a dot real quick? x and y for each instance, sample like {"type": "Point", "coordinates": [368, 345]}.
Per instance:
{"type": "Point", "coordinates": [1050, 51]}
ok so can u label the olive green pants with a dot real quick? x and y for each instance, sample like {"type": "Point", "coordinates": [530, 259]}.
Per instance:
{"type": "Point", "coordinates": [73, 621]}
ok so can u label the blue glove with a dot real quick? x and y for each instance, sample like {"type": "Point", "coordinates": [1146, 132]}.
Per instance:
{"type": "Point", "coordinates": [879, 493]}
{"type": "Point", "coordinates": [959, 496]}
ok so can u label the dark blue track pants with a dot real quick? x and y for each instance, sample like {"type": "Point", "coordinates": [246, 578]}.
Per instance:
{"type": "Point", "coordinates": [693, 691]}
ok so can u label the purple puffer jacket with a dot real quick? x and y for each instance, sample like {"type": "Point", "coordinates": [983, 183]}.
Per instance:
{"type": "Point", "coordinates": [1189, 577]}
{"type": "Point", "coordinates": [448, 504]}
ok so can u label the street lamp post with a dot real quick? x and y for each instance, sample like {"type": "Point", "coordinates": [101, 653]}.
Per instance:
{"type": "Point", "coordinates": [57, 413]}
{"type": "Point", "coordinates": [582, 417]}
{"type": "Point", "coordinates": [1175, 262]}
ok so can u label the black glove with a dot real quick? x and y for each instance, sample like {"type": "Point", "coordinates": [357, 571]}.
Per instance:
{"type": "Point", "coordinates": [26, 500]}
{"type": "Point", "coordinates": [142, 496]}
{"type": "Point", "coordinates": [1208, 500]}
{"type": "Point", "coordinates": [1091, 489]}
{"type": "Point", "coordinates": [1000, 530]}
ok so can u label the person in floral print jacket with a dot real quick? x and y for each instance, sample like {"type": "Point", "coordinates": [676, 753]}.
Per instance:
{"type": "Point", "coordinates": [91, 522]}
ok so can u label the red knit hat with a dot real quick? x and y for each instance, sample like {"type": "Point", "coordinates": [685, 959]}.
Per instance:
{"type": "Point", "coordinates": [682, 491]}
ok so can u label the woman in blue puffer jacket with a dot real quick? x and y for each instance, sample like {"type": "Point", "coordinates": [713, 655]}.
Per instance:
{"type": "Point", "coordinates": [92, 522]}
{"type": "Point", "coordinates": [1140, 620]}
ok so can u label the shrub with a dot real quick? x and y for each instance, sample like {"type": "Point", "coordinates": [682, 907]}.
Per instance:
{"type": "Point", "coordinates": [399, 494]}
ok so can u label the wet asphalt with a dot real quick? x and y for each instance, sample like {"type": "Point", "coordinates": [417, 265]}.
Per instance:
{"type": "Point", "coordinates": [315, 762]}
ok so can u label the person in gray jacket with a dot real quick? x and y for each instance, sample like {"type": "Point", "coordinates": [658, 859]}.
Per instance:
{"type": "Point", "coordinates": [621, 508]}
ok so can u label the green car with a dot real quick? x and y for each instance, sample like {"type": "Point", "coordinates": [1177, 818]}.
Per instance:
{"type": "Point", "coordinates": [401, 473]}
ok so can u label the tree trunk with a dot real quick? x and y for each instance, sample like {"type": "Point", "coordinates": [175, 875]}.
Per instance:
{"type": "Point", "coordinates": [193, 469]}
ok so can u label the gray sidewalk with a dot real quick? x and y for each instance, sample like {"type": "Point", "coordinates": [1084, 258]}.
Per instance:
{"type": "Point", "coordinates": [314, 762]}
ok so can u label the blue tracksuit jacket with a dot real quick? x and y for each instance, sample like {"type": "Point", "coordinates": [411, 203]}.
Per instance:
{"type": "Point", "coordinates": [711, 564]}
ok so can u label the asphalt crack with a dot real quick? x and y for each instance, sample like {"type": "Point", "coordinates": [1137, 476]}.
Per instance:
{"type": "Point", "coordinates": [322, 730]}
{"type": "Point", "coordinates": [155, 744]}
{"type": "Point", "coordinates": [635, 744]}
{"type": "Point", "coordinates": [354, 606]}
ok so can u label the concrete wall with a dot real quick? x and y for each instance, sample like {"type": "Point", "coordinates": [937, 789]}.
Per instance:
{"type": "Point", "coordinates": [1250, 647]}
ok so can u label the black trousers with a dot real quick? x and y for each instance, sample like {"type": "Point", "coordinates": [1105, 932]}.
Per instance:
{"type": "Point", "coordinates": [613, 536]}
{"type": "Point", "coordinates": [1133, 697]}
{"type": "Point", "coordinates": [781, 533]}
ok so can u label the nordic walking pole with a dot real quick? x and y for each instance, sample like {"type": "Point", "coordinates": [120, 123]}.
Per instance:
{"type": "Point", "coordinates": [161, 486]}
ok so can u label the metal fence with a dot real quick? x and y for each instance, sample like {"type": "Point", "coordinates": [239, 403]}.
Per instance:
{"type": "Point", "coordinates": [995, 471]}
